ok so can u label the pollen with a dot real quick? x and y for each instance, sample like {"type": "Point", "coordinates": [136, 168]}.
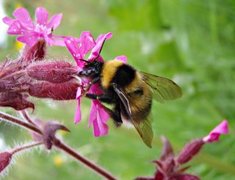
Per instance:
{"type": "Point", "coordinates": [19, 45]}
{"type": "Point", "coordinates": [58, 160]}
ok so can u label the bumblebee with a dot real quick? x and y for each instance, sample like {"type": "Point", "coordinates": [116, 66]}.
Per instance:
{"type": "Point", "coordinates": [130, 92]}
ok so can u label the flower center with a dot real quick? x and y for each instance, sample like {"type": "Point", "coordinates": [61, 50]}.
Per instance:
{"type": "Point", "coordinates": [42, 29]}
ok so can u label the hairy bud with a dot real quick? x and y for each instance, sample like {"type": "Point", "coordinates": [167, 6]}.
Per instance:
{"type": "Point", "coordinates": [184, 177]}
{"type": "Point", "coordinates": [189, 151]}
{"type": "Point", "coordinates": [35, 53]}
{"type": "Point", "coordinates": [58, 91]}
{"type": "Point", "coordinates": [53, 71]}
{"type": "Point", "coordinates": [15, 100]}
{"type": "Point", "coordinates": [5, 159]}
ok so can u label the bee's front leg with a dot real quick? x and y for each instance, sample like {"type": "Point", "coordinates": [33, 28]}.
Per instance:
{"type": "Point", "coordinates": [115, 114]}
{"type": "Point", "coordinates": [102, 97]}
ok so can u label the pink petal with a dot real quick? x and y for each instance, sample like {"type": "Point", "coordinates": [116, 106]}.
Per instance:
{"type": "Point", "coordinates": [79, 93]}
{"type": "Point", "coordinates": [95, 89]}
{"type": "Point", "coordinates": [214, 135]}
{"type": "Point", "coordinates": [86, 43]}
{"type": "Point", "coordinates": [93, 113]}
{"type": "Point", "coordinates": [8, 20]}
{"type": "Point", "coordinates": [55, 21]}
{"type": "Point", "coordinates": [103, 113]}
{"type": "Point", "coordinates": [23, 16]}
{"type": "Point", "coordinates": [95, 52]}
{"type": "Point", "coordinates": [78, 115]}
{"type": "Point", "coordinates": [72, 46]}
{"type": "Point", "coordinates": [56, 40]}
{"type": "Point", "coordinates": [98, 118]}
{"type": "Point", "coordinates": [99, 128]}
{"type": "Point", "coordinates": [122, 58]}
{"type": "Point", "coordinates": [15, 28]}
{"type": "Point", "coordinates": [41, 16]}
{"type": "Point", "coordinates": [80, 47]}
{"type": "Point", "coordinates": [29, 39]}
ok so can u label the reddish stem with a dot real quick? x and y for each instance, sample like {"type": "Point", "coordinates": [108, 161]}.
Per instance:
{"type": "Point", "coordinates": [82, 159]}
{"type": "Point", "coordinates": [58, 144]}
{"type": "Point", "coordinates": [18, 122]}
{"type": "Point", "coordinates": [24, 147]}
{"type": "Point", "coordinates": [26, 117]}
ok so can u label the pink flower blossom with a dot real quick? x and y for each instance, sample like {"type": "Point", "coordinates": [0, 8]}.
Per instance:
{"type": "Point", "coordinates": [30, 32]}
{"type": "Point", "coordinates": [98, 118]}
{"type": "Point", "coordinates": [214, 135]}
{"type": "Point", "coordinates": [79, 48]}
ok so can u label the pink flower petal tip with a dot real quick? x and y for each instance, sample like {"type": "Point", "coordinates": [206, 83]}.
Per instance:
{"type": "Point", "coordinates": [214, 135]}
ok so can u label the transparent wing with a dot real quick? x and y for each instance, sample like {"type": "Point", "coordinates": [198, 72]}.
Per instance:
{"type": "Point", "coordinates": [144, 128]}
{"type": "Point", "coordinates": [162, 88]}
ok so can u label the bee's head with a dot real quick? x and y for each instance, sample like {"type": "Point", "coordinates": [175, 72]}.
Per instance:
{"type": "Point", "coordinates": [91, 69]}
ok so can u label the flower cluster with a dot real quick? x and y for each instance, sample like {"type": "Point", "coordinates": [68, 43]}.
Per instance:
{"type": "Point", "coordinates": [56, 80]}
{"type": "Point", "coordinates": [169, 166]}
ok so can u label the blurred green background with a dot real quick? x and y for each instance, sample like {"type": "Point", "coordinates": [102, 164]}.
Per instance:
{"type": "Point", "coordinates": [190, 41]}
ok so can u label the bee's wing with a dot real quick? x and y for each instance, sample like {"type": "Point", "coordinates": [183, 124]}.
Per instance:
{"type": "Point", "coordinates": [143, 127]}
{"type": "Point", "coordinates": [162, 88]}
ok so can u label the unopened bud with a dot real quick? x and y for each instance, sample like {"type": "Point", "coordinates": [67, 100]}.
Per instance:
{"type": "Point", "coordinates": [15, 82]}
{"type": "Point", "coordinates": [34, 53]}
{"type": "Point", "coordinates": [189, 151]}
{"type": "Point", "coordinates": [58, 91]}
{"type": "Point", "coordinates": [5, 159]}
{"type": "Point", "coordinates": [49, 132]}
{"type": "Point", "coordinates": [53, 71]}
{"type": "Point", "coordinates": [15, 100]}
{"type": "Point", "coordinates": [184, 177]}
{"type": "Point", "coordinates": [167, 150]}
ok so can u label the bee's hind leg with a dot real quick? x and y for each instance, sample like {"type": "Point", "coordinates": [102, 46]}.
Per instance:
{"type": "Point", "coordinates": [115, 113]}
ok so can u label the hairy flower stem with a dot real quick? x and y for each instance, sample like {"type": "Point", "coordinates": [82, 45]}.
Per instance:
{"type": "Point", "coordinates": [56, 142]}
{"type": "Point", "coordinates": [85, 161]}
{"type": "Point", "coordinates": [18, 122]}
{"type": "Point", "coordinates": [26, 116]}
{"type": "Point", "coordinates": [25, 147]}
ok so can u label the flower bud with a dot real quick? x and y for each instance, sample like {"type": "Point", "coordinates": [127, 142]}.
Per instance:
{"type": "Point", "coordinates": [59, 91]}
{"type": "Point", "coordinates": [10, 66]}
{"type": "Point", "coordinates": [5, 159]}
{"type": "Point", "coordinates": [53, 71]}
{"type": "Point", "coordinates": [15, 100]}
{"type": "Point", "coordinates": [184, 177]}
{"type": "Point", "coordinates": [167, 150]}
{"type": "Point", "coordinates": [189, 151]}
{"type": "Point", "coordinates": [34, 53]}
{"type": "Point", "coordinates": [49, 131]}
{"type": "Point", "coordinates": [15, 82]}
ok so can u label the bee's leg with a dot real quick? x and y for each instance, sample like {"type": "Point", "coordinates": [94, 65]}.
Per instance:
{"type": "Point", "coordinates": [102, 97]}
{"type": "Point", "coordinates": [115, 114]}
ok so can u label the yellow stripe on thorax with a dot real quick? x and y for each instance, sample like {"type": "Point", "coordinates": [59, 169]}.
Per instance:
{"type": "Point", "coordinates": [108, 72]}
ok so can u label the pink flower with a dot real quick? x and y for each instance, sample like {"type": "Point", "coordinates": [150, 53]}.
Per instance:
{"type": "Point", "coordinates": [214, 135]}
{"type": "Point", "coordinates": [30, 32]}
{"type": "Point", "coordinates": [79, 48]}
{"type": "Point", "coordinates": [98, 118]}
